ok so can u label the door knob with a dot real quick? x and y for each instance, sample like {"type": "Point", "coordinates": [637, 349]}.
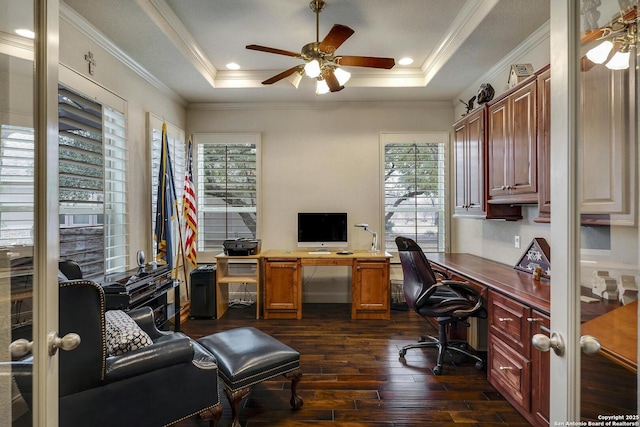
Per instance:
{"type": "Point", "coordinates": [67, 342]}
{"type": "Point", "coordinates": [544, 343]}
{"type": "Point", "coordinates": [20, 348]}
{"type": "Point", "coordinates": [589, 344]}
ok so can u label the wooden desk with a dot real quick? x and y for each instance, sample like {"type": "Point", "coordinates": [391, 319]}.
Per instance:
{"type": "Point", "coordinates": [620, 346]}
{"type": "Point", "coordinates": [370, 282]}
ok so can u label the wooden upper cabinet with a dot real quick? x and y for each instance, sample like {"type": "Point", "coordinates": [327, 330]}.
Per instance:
{"type": "Point", "coordinates": [544, 145]}
{"type": "Point", "coordinates": [512, 146]}
{"type": "Point", "coordinates": [607, 141]}
{"type": "Point", "coordinates": [468, 143]}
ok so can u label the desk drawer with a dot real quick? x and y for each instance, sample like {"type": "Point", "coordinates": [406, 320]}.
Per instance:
{"type": "Point", "coordinates": [510, 373]}
{"type": "Point", "coordinates": [508, 320]}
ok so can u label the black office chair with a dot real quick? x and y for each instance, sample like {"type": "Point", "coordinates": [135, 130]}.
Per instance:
{"type": "Point", "coordinates": [449, 301]}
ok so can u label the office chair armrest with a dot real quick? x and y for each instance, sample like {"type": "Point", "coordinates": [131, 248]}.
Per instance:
{"type": "Point", "coordinates": [443, 275]}
{"type": "Point", "coordinates": [467, 291]}
{"type": "Point", "coordinates": [143, 316]}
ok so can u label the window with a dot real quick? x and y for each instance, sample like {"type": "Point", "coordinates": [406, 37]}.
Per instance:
{"type": "Point", "coordinates": [414, 189]}
{"type": "Point", "coordinates": [177, 152]}
{"type": "Point", "coordinates": [92, 174]}
{"type": "Point", "coordinates": [227, 169]}
{"type": "Point", "coordinates": [16, 185]}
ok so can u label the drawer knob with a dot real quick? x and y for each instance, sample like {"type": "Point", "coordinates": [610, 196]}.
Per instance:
{"type": "Point", "coordinates": [534, 319]}
{"type": "Point", "coordinates": [505, 319]}
{"type": "Point", "coordinates": [505, 368]}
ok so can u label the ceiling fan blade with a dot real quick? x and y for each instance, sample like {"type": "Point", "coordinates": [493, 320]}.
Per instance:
{"type": "Point", "coordinates": [332, 81]}
{"type": "Point", "coordinates": [273, 50]}
{"type": "Point", "coordinates": [282, 75]}
{"type": "Point", "coordinates": [338, 35]}
{"type": "Point", "coordinates": [365, 61]}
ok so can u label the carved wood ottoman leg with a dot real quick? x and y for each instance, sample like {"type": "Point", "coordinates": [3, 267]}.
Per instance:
{"type": "Point", "coordinates": [234, 398]}
{"type": "Point", "coordinates": [295, 376]}
{"type": "Point", "coordinates": [212, 414]}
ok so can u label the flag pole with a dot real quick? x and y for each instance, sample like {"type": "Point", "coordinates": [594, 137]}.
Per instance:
{"type": "Point", "coordinates": [181, 251]}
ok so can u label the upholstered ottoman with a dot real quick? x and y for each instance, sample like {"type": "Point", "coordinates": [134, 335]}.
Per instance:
{"type": "Point", "coordinates": [248, 356]}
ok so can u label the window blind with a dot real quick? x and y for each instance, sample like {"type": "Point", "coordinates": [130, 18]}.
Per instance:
{"type": "Point", "coordinates": [227, 189]}
{"type": "Point", "coordinates": [16, 185]}
{"type": "Point", "coordinates": [414, 193]}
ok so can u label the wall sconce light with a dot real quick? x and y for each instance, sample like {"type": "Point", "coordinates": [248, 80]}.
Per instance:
{"type": "Point", "coordinates": [374, 243]}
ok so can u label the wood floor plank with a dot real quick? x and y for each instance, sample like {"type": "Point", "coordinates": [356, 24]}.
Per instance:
{"type": "Point", "coordinates": [353, 377]}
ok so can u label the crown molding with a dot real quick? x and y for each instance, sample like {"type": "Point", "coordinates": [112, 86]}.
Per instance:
{"type": "Point", "coordinates": [541, 35]}
{"type": "Point", "coordinates": [93, 34]}
{"type": "Point", "coordinates": [328, 105]}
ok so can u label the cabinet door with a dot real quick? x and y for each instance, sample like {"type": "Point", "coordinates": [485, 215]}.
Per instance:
{"type": "Point", "coordinates": [607, 142]}
{"type": "Point", "coordinates": [469, 165]}
{"type": "Point", "coordinates": [540, 369]}
{"type": "Point", "coordinates": [498, 147]}
{"type": "Point", "coordinates": [370, 292]}
{"type": "Point", "coordinates": [544, 146]}
{"type": "Point", "coordinates": [282, 294]}
{"type": "Point", "coordinates": [523, 154]}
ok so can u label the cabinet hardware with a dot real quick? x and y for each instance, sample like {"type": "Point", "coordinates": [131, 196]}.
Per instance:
{"type": "Point", "coordinates": [505, 319]}
{"type": "Point", "coordinates": [534, 319]}
{"type": "Point", "coordinates": [505, 368]}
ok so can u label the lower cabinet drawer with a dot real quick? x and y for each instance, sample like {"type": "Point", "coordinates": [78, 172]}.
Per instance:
{"type": "Point", "coordinates": [507, 319]}
{"type": "Point", "coordinates": [509, 372]}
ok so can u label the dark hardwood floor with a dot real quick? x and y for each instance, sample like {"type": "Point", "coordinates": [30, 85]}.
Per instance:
{"type": "Point", "coordinates": [353, 377]}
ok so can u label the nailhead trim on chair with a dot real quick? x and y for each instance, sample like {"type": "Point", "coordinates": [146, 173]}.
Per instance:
{"type": "Point", "coordinates": [231, 385]}
{"type": "Point", "coordinates": [192, 415]}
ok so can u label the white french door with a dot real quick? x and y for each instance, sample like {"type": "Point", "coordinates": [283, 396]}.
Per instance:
{"type": "Point", "coordinates": [28, 211]}
{"type": "Point", "coordinates": [594, 241]}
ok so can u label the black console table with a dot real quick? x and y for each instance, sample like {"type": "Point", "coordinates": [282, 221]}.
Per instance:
{"type": "Point", "coordinates": [144, 286]}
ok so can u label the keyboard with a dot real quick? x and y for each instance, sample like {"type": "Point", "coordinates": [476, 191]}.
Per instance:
{"type": "Point", "coordinates": [320, 253]}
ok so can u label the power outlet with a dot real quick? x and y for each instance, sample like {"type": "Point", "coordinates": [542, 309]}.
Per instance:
{"type": "Point", "coordinates": [516, 242]}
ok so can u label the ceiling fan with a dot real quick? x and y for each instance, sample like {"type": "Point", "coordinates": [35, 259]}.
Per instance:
{"type": "Point", "coordinates": [321, 62]}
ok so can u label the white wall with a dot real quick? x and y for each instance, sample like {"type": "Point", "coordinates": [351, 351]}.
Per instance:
{"type": "Point", "coordinates": [139, 97]}
{"type": "Point", "coordinates": [320, 157]}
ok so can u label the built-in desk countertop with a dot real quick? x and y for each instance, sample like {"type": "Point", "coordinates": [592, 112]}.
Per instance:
{"type": "Point", "coordinates": [502, 278]}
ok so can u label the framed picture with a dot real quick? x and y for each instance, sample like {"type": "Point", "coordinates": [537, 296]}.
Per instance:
{"type": "Point", "coordinates": [537, 254]}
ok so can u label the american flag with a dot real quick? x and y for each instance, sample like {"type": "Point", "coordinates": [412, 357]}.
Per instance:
{"type": "Point", "coordinates": [189, 210]}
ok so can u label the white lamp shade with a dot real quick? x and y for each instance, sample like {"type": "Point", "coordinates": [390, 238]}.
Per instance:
{"type": "Point", "coordinates": [342, 76]}
{"type": "Point", "coordinates": [312, 68]}
{"type": "Point", "coordinates": [321, 87]}
{"type": "Point", "coordinates": [620, 61]}
{"type": "Point", "coordinates": [294, 79]}
{"type": "Point", "coordinates": [600, 53]}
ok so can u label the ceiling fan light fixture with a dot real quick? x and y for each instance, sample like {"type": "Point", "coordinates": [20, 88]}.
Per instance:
{"type": "Point", "coordinates": [312, 68]}
{"type": "Point", "coordinates": [295, 79]}
{"type": "Point", "coordinates": [342, 76]}
{"type": "Point", "coordinates": [321, 87]}
{"type": "Point", "coordinates": [620, 60]}
{"type": "Point", "coordinates": [600, 53]}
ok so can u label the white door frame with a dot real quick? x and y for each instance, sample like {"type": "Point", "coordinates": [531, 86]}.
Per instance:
{"type": "Point", "coordinates": [565, 374]}
{"type": "Point", "coordinates": [46, 236]}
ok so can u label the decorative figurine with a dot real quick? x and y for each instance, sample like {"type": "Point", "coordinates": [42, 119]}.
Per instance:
{"type": "Point", "coordinates": [468, 104]}
{"type": "Point", "coordinates": [485, 94]}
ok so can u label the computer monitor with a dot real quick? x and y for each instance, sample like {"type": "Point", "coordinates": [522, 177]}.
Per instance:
{"type": "Point", "coordinates": [322, 230]}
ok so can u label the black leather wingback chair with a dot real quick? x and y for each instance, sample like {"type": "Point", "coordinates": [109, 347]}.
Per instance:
{"type": "Point", "coordinates": [171, 380]}
{"type": "Point", "coordinates": [70, 269]}
{"type": "Point", "coordinates": [447, 300]}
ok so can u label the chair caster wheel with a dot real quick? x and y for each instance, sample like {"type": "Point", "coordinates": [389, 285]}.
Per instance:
{"type": "Point", "coordinates": [401, 353]}
{"type": "Point", "coordinates": [479, 365]}
{"type": "Point", "coordinates": [437, 370]}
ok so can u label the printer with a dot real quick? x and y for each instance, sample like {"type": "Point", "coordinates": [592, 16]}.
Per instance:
{"type": "Point", "coordinates": [241, 247]}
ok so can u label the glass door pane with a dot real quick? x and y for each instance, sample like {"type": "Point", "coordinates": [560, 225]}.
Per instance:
{"type": "Point", "coordinates": [607, 204]}
{"type": "Point", "coordinates": [16, 210]}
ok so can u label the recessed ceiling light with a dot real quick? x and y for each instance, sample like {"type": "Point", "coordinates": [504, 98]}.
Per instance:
{"type": "Point", "coordinates": [406, 61]}
{"type": "Point", "coordinates": [26, 33]}
{"type": "Point", "coordinates": [233, 66]}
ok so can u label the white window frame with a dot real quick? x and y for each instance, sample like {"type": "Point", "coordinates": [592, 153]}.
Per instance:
{"type": "Point", "coordinates": [419, 137]}
{"type": "Point", "coordinates": [254, 138]}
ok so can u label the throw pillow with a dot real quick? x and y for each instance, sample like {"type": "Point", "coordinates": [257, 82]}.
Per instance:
{"type": "Point", "coordinates": [123, 333]}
